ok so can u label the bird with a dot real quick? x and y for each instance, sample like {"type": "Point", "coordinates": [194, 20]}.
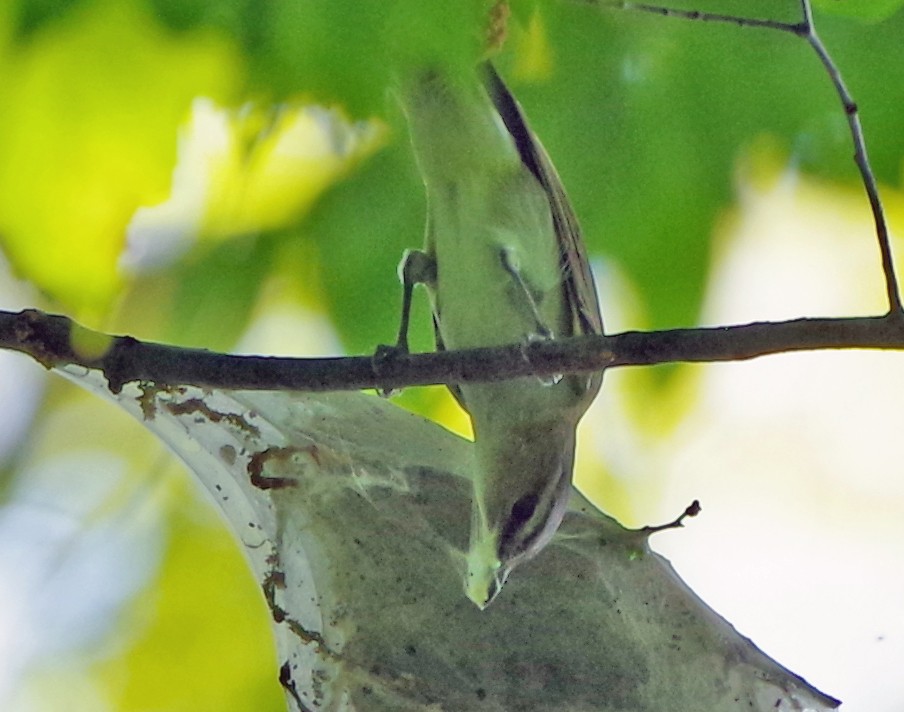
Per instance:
{"type": "Point", "coordinates": [503, 262]}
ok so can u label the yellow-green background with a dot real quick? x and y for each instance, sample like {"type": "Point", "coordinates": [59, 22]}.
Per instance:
{"type": "Point", "coordinates": [657, 127]}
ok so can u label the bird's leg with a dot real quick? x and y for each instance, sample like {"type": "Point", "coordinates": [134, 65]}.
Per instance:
{"type": "Point", "coordinates": [416, 267]}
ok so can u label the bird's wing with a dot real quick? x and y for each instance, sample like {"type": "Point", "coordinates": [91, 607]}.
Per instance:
{"type": "Point", "coordinates": [580, 288]}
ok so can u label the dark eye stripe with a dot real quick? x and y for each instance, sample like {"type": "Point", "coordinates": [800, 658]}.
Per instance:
{"type": "Point", "coordinates": [524, 508]}
{"type": "Point", "coordinates": [521, 513]}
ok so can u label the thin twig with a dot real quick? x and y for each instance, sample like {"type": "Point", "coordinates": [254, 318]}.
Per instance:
{"type": "Point", "coordinates": [861, 157]}
{"type": "Point", "coordinates": [49, 340]}
{"type": "Point", "coordinates": [793, 28]}
{"type": "Point", "coordinates": [806, 29]}
{"type": "Point", "coordinates": [692, 510]}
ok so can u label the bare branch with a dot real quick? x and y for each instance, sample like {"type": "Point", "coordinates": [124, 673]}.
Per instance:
{"type": "Point", "coordinates": [795, 28]}
{"type": "Point", "coordinates": [806, 29]}
{"type": "Point", "coordinates": [861, 158]}
{"type": "Point", "coordinates": [49, 340]}
{"type": "Point", "coordinates": [692, 510]}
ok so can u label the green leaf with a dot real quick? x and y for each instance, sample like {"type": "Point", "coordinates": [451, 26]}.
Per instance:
{"type": "Point", "coordinates": [215, 291]}
{"type": "Point", "coordinates": [349, 51]}
{"type": "Point", "coordinates": [866, 10]}
{"type": "Point", "coordinates": [32, 15]}
{"type": "Point", "coordinates": [339, 51]}
{"type": "Point", "coordinates": [361, 230]}
{"type": "Point", "coordinates": [91, 105]}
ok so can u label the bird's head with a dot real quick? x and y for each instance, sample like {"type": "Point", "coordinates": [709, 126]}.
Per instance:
{"type": "Point", "coordinates": [526, 524]}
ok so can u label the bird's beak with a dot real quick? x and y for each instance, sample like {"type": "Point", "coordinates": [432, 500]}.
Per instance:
{"type": "Point", "coordinates": [484, 572]}
{"type": "Point", "coordinates": [483, 585]}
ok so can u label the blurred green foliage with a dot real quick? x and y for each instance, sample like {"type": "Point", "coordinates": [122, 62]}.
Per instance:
{"type": "Point", "coordinates": [865, 10]}
{"type": "Point", "coordinates": [645, 117]}
{"type": "Point", "coordinates": [181, 652]}
{"type": "Point", "coordinates": [92, 99]}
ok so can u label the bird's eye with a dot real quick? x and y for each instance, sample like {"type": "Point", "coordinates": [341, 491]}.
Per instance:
{"type": "Point", "coordinates": [522, 511]}
{"type": "Point", "coordinates": [524, 508]}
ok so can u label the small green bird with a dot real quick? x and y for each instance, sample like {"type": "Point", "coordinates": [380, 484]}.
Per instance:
{"type": "Point", "coordinates": [503, 262]}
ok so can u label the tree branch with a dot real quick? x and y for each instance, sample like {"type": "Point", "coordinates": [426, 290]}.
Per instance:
{"type": "Point", "coordinates": [57, 341]}
{"type": "Point", "coordinates": [795, 28]}
{"type": "Point", "coordinates": [806, 30]}
{"type": "Point", "coordinates": [861, 157]}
